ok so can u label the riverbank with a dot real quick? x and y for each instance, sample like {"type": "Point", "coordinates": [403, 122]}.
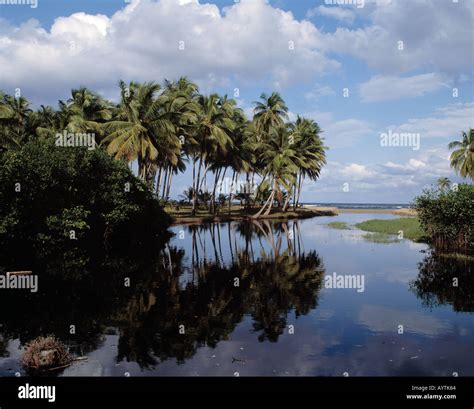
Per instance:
{"type": "Point", "coordinates": [398, 212]}
{"type": "Point", "coordinates": [183, 214]}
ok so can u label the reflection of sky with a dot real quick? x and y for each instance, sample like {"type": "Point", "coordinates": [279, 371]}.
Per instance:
{"type": "Point", "coordinates": [383, 319]}
{"type": "Point", "coordinates": [347, 332]}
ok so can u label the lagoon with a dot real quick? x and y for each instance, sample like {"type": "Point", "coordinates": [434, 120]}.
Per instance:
{"type": "Point", "coordinates": [277, 319]}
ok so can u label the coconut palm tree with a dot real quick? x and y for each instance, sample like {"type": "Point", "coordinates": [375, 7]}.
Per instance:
{"type": "Point", "coordinates": [281, 166]}
{"type": "Point", "coordinates": [179, 107]}
{"type": "Point", "coordinates": [269, 113]}
{"type": "Point", "coordinates": [138, 130]}
{"type": "Point", "coordinates": [87, 111]}
{"type": "Point", "coordinates": [14, 112]}
{"type": "Point", "coordinates": [443, 184]}
{"type": "Point", "coordinates": [311, 152]}
{"type": "Point", "coordinates": [212, 134]}
{"type": "Point", "coordinates": [462, 159]}
{"type": "Point", "coordinates": [43, 122]}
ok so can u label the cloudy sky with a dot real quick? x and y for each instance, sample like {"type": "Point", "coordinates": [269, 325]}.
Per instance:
{"type": "Point", "coordinates": [389, 66]}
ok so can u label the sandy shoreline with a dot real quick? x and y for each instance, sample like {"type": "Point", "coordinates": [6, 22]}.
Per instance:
{"type": "Point", "coordinates": [398, 212]}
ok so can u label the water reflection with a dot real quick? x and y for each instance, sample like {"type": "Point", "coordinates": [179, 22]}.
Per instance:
{"type": "Point", "coordinates": [235, 285]}
{"type": "Point", "coordinates": [444, 280]}
{"type": "Point", "coordinates": [207, 297]}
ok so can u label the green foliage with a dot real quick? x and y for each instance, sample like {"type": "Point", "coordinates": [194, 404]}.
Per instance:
{"type": "Point", "coordinates": [409, 226]}
{"type": "Point", "coordinates": [447, 218]}
{"type": "Point", "coordinates": [339, 225]}
{"type": "Point", "coordinates": [49, 191]}
{"type": "Point", "coordinates": [462, 157]}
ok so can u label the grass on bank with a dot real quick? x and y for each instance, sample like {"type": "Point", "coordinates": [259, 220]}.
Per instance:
{"type": "Point", "coordinates": [409, 226]}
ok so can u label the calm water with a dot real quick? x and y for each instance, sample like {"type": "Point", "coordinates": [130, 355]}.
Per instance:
{"type": "Point", "coordinates": [252, 299]}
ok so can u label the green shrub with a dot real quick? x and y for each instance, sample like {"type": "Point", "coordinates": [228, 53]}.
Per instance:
{"type": "Point", "coordinates": [447, 218]}
{"type": "Point", "coordinates": [52, 194]}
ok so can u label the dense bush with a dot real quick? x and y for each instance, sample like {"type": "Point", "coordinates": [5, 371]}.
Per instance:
{"type": "Point", "coordinates": [447, 218]}
{"type": "Point", "coordinates": [51, 194]}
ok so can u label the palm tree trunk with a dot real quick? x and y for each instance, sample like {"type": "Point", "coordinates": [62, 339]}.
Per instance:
{"type": "Point", "coordinates": [231, 190]}
{"type": "Point", "coordinates": [270, 199]}
{"type": "Point", "coordinates": [169, 184]}
{"type": "Point", "coordinates": [195, 193]}
{"type": "Point", "coordinates": [299, 190]}
{"type": "Point", "coordinates": [165, 182]}
{"type": "Point", "coordinates": [158, 182]}
{"type": "Point", "coordinates": [213, 198]}
{"type": "Point", "coordinates": [287, 201]}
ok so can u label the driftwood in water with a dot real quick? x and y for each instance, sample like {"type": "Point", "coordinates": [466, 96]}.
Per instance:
{"type": "Point", "coordinates": [19, 273]}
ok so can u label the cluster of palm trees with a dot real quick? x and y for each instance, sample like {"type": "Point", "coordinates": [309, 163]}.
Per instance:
{"type": "Point", "coordinates": [162, 128]}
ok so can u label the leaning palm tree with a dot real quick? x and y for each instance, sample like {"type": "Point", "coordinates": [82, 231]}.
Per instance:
{"type": "Point", "coordinates": [311, 152]}
{"type": "Point", "coordinates": [462, 159]}
{"type": "Point", "coordinates": [443, 184]}
{"type": "Point", "coordinates": [281, 165]}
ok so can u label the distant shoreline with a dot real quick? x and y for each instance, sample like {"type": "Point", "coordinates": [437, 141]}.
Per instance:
{"type": "Point", "coordinates": [399, 212]}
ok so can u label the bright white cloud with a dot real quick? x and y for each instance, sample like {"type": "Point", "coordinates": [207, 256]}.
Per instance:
{"type": "Point", "coordinates": [338, 13]}
{"type": "Point", "coordinates": [248, 42]}
{"type": "Point", "coordinates": [435, 34]}
{"type": "Point", "coordinates": [386, 88]}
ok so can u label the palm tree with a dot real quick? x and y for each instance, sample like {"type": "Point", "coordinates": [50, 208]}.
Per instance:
{"type": "Point", "coordinates": [311, 152]}
{"type": "Point", "coordinates": [281, 166]}
{"type": "Point", "coordinates": [212, 134]}
{"type": "Point", "coordinates": [269, 113]}
{"type": "Point", "coordinates": [443, 184]}
{"type": "Point", "coordinates": [187, 195]}
{"type": "Point", "coordinates": [86, 111]}
{"type": "Point", "coordinates": [14, 114]}
{"type": "Point", "coordinates": [462, 159]}
{"type": "Point", "coordinates": [179, 107]}
{"type": "Point", "coordinates": [135, 132]}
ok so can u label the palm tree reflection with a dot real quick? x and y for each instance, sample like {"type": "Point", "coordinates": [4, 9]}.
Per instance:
{"type": "Point", "coordinates": [266, 284]}
{"type": "Point", "coordinates": [229, 272]}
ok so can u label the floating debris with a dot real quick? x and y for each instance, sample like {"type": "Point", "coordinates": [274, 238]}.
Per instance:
{"type": "Point", "coordinates": [46, 354]}
{"type": "Point", "coordinates": [414, 357]}
{"type": "Point", "coordinates": [19, 273]}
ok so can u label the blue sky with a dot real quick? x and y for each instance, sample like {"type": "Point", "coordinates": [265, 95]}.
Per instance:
{"type": "Point", "coordinates": [307, 50]}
